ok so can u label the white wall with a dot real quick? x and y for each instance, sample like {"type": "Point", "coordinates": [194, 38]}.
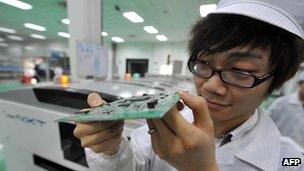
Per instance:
{"type": "Point", "coordinates": [156, 53]}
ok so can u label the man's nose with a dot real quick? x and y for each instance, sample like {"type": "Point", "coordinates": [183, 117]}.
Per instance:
{"type": "Point", "coordinates": [215, 85]}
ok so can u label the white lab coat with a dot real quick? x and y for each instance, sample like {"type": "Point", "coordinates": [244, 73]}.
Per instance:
{"type": "Point", "coordinates": [288, 114]}
{"type": "Point", "coordinates": [260, 148]}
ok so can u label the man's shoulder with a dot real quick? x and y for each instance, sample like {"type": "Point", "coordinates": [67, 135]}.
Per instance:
{"type": "Point", "coordinates": [290, 147]}
{"type": "Point", "coordinates": [290, 151]}
{"type": "Point", "coordinates": [283, 99]}
{"type": "Point", "coordinates": [280, 102]}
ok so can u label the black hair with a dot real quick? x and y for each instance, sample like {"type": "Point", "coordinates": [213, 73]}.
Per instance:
{"type": "Point", "coordinates": [222, 32]}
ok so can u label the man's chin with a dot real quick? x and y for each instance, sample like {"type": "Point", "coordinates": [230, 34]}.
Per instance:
{"type": "Point", "coordinates": [219, 115]}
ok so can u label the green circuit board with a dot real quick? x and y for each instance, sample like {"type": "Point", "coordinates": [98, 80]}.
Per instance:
{"type": "Point", "coordinates": [138, 107]}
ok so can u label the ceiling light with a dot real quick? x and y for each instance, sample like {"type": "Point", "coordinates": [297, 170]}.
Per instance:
{"type": "Point", "coordinates": [65, 21]}
{"type": "Point", "coordinates": [17, 4]}
{"type": "Point", "coordinates": [37, 36]}
{"type": "Point", "coordinates": [161, 37]}
{"type": "Point", "coordinates": [34, 27]}
{"type": "Point", "coordinates": [63, 34]}
{"type": "Point", "coordinates": [206, 9]}
{"type": "Point", "coordinates": [150, 29]}
{"type": "Point", "coordinates": [117, 39]}
{"type": "Point", "coordinates": [7, 30]}
{"type": "Point", "coordinates": [133, 17]}
{"type": "Point", "coordinates": [1, 39]}
{"type": "Point", "coordinates": [104, 34]}
{"type": "Point", "coordinates": [3, 45]}
{"type": "Point", "coordinates": [15, 38]}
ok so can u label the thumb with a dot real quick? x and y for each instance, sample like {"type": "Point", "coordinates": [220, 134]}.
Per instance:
{"type": "Point", "coordinates": [199, 108]}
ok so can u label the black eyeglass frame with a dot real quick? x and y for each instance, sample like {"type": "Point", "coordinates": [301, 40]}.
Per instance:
{"type": "Point", "coordinates": [257, 80]}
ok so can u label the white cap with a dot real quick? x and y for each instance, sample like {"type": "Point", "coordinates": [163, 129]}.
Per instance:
{"type": "Point", "coordinates": [286, 14]}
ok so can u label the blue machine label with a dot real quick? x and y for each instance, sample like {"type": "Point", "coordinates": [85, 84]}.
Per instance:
{"type": "Point", "coordinates": [27, 119]}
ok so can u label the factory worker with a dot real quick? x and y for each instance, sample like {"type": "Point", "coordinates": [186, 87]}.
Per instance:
{"type": "Point", "coordinates": [288, 113]}
{"type": "Point", "coordinates": [238, 56]}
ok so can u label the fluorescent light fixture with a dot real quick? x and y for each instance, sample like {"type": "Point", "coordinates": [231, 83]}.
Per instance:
{"type": "Point", "coordinates": [3, 45]}
{"type": "Point", "coordinates": [15, 38]}
{"type": "Point", "coordinates": [65, 21]}
{"type": "Point", "coordinates": [17, 4]}
{"type": "Point", "coordinates": [117, 39]}
{"type": "Point", "coordinates": [7, 30]}
{"type": "Point", "coordinates": [1, 39]}
{"type": "Point", "coordinates": [34, 27]}
{"type": "Point", "coordinates": [37, 36]}
{"type": "Point", "coordinates": [206, 9]}
{"type": "Point", "coordinates": [133, 17]}
{"type": "Point", "coordinates": [161, 37]}
{"type": "Point", "coordinates": [150, 29]}
{"type": "Point", "coordinates": [63, 34]}
{"type": "Point", "coordinates": [104, 34]}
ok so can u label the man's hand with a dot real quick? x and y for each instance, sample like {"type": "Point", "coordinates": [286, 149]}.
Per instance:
{"type": "Point", "coordinates": [101, 137]}
{"type": "Point", "coordinates": [184, 145]}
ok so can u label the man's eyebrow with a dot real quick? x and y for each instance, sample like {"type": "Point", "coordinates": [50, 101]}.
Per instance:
{"type": "Point", "coordinates": [235, 56]}
{"type": "Point", "coordinates": [248, 54]}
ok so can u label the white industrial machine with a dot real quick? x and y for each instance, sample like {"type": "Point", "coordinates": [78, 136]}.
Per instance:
{"type": "Point", "coordinates": [34, 142]}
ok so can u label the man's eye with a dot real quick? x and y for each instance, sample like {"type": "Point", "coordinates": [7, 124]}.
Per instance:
{"type": "Point", "coordinates": [204, 62]}
{"type": "Point", "coordinates": [242, 70]}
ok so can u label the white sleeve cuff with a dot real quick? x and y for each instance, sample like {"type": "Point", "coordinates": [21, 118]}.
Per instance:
{"type": "Point", "coordinates": [123, 159]}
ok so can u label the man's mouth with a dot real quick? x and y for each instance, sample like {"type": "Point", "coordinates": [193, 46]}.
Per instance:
{"type": "Point", "coordinates": [216, 106]}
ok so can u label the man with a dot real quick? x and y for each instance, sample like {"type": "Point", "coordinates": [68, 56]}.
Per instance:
{"type": "Point", "coordinates": [239, 55]}
{"type": "Point", "coordinates": [288, 113]}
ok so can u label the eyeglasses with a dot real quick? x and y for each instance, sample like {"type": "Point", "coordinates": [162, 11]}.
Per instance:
{"type": "Point", "coordinates": [233, 77]}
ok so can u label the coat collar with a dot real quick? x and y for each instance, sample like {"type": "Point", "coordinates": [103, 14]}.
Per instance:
{"type": "Point", "coordinates": [260, 146]}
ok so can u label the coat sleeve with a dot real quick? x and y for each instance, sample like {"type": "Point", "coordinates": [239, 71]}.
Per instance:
{"type": "Point", "coordinates": [136, 155]}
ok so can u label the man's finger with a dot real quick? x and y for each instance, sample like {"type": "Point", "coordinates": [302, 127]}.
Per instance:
{"type": "Point", "coordinates": [150, 124]}
{"type": "Point", "coordinates": [165, 132]}
{"type": "Point", "coordinates": [178, 124]}
{"type": "Point", "coordinates": [107, 145]}
{"type": "Point", "coordinates": [101, 136]}
{"type": "Point", "coordinates": [199, 108]}
{"type": "Point", "coordinates": [89, 128]}
{"type": "Point", "coordinates": [155, 138]}
{"type": "Point", "coordinates": [94, 100]}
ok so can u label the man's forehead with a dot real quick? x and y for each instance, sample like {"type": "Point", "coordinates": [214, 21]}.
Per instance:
{"type": "Point", "coordinates": [240, 53]}
{"type": "Point", "coordinates": [246, 54]}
